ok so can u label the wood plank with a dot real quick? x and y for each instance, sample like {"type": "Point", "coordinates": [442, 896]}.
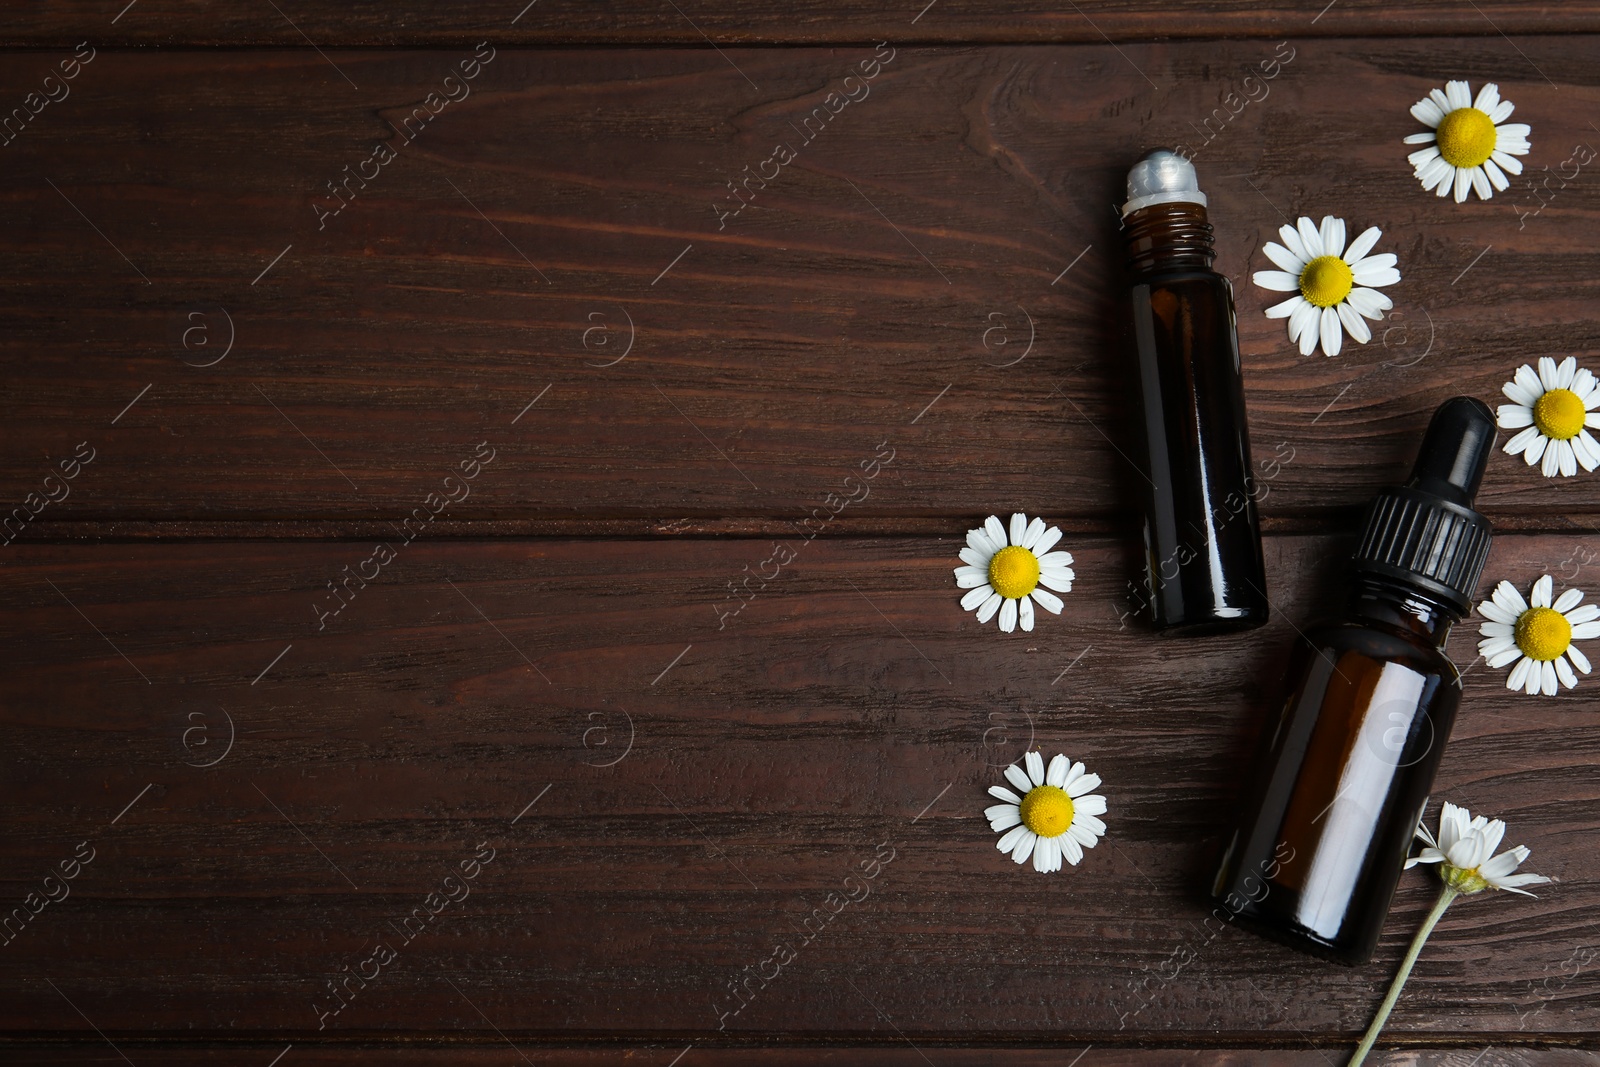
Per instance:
{"type": "Point", "coordinates": [847, 306]}
{"type": "Point", "coordinates": [456, 22]}
{"type": "Point", "coordinates": [308, 1055]}
{"type": "Point", "coordinates": [464, 696]}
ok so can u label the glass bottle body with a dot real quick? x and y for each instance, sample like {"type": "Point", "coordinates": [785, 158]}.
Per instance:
{"type": "Point", "coordinates": [1341, 777]}
{"type": "Point", "coordinates": [1202, 541]}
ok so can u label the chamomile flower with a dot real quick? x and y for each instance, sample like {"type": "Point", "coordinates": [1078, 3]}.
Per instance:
{"type": "Point", "coordinates": [1463, 850]}
{"type": "Point", "coordinates": [1337, 285]}
{"type": "Point", "coordinates": [1052, 815]}
{"type": "Point", "coordinates": [1554, 410]}
{"type": "Point", "coordinates": [1468, 147]}
{"type": "Point", "coordinates": [1538, 637]}
{"type": "Point", "coordinates": [1010, 575]}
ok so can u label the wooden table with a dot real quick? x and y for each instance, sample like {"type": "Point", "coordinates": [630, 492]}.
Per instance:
{"type": "Point", "coordinates": [558, 760]}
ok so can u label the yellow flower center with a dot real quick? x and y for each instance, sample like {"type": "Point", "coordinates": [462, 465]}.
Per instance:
{"type": "Point", "coordinates": [1326, 281]}
{"type": "Point", "coordinates": [1463, 880]}
{"type": "Point", "coordinates": [1014, 571]}
{"type": "Point", "coordinates": [1047, 811]}
{"type": "Point", "coordinates": [1559, 414]}
{"type": "Point", "coordinates": [1466, 137]}
{"type": "Point", "coordinates": [1543, 633]}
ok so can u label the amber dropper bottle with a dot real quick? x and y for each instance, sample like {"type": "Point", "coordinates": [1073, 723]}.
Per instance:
{"type": "Point", "coordinates": [1346, 767]}
{"type": "Point", "coordinates": [1202, 544]}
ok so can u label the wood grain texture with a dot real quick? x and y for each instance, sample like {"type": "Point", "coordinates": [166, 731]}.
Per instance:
{"type": "Point", "coordinates": [457, 22]}
{"type": "Point", "coordinates": [846, 305]}
{"type": "Point", "coordinates": [310, 1055]}
{"type": "Point", "coordinates": [850, 703]}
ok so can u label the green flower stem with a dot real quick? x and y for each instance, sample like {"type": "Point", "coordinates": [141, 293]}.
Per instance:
{"type": "Point", "coordinates": [1445, 897]}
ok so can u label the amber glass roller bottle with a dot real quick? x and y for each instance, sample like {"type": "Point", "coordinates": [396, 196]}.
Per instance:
{"type": "Point", "coordinates": [1347, 763]}
{"type": "Point", "coordinates": [1202, 544]}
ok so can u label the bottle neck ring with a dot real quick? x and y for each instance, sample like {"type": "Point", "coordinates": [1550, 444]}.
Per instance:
{"type": "Point", "coordinates": [1404, 605]}
{"type": "Point", "coordinates": [1168, 237]}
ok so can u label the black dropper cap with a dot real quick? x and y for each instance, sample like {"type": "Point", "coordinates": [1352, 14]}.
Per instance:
{"type": "Point", "coordinates": [1425, 533]}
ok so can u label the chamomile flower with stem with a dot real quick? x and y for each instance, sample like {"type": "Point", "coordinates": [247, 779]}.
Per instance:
{"type": "Point", "coordinates": [1336, 286]}
{"type": "Point", "coordinates": [1006, 571]}
{"type": "Point", "coordinates": [1469, 143]}
{"type": "Point", "coordinates": [1537, 635]}
{"type": "Point", "coordinates": [1464, 851]}
{"type": "Point", "coordinates": [1053, 815]}
{"type": "Point", "coordinates": [1553, 410]}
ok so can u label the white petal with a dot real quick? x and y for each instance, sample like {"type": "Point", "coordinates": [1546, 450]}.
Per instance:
{"type": "Point", "coordinates": [1002, 816]}
{"type": "Point", "coordinates": [1009, 839]}
{"type": "Point", "coordinates": [1031, 535]}
{"type": "Point", "coordinates": [1507, 161]}
{"type": "Point", "coordinates": [1501, 112]}
{"type": "Point", "coordinates": [1046, 856]}
{"type": "Point", "coordinates": [1286, 308]}
{"type": "Point", "coordinates": [1025, 847]}
{"type": "Point", "coordinates": [1061, 582]}
{"type": "Point", "coordinates": [1427, 112]}
{"type": "Point", "coordinates": [1463, 184]}
{"type": "Point", "coordinates": [1072, 851]}
{"type": "Point", "coordinates": [1019, 527]}
{"type": "Point", "coordinates": [1035, 763]}
{"type": "Point", "coordinates": [1008, 615]}
{"type": "Point", "coordinates": [1497, 177]}
{"type": "Point", "coordinates": [978, 540]}
{"type": "Point", "coordinates": [1495, 613]}
{"type": "Point", "coordinates": [1086, 783]}
{"type": "Point", "coordinates": [1276, 280]}
{"type": "Point", "coordinates": [1480, 184]}
{"type": "Point", "coordinates": [1362, 244]}
{"type": "Point", "coordinates": [1509, 597]}
{"type": "Point", "coordinates": [1583, 614]}
{"type": "Point", "coordinates": [1497, 629]}
{"type": "Point", "coordinates": [1519, 674]}
{"type": "Point", "coordinates": [1056, 773]}
{"type": "Point", "coordinates": [1369, 302]}
{"type": "Point", "coordinates": [1291, 240]}
{"type": "Point", "coordinates": [996, 532]}
{"type": "Point", "coordinates": [1047, 600]}
{"type": "Point", "coordinates": [1354, 324]}
{"type": "Point", "coordinates": [1374, 277]}
{"type": "Point", "coordinates": [1496, 660]}
{"type": "Point", "coordinates": [1487, 98]}
{"type": "Point", "coordinates": [971, 577]}
{"type": "Point", "coordinates": [1056, 559]}
{"type": "Point", "coordinates": [1025, 614]}
{"type": "Point", "coordinates": [1541, 592]}
{"type": "Point", "coordinates": [1000, 792]}
{"type": "Point", "coordinates": [1019, 778]}
{"type": "Point", "coordinates": [1283, 257]}
{"type": "Point", "coordinates": [1564, 673]}
{"type": "Point", "coordinates": [1513, 416]}
{"type": "Point", "coordinates": [976, 597]}
{"type": "Point", "coordinates": [1310, 237]}
{"type": "Point", "coordinates": [1332, 232]}
{"type": "Point", "coordinates": [1303, 318]}
{"type": "Point", "coordinates": [1332, 335]}
{"type": "Point", "coordinates": [1549, 376]}
{"type": "Point", "coordinates": [1522, 440]}
{"type": "Point", "coordinates": [1047, 541]}
{"type": "Point", "coordinates": [1458, 94]}
{"type": "Point", "coordinates": [987, 609]}
{"type": "Point", "coordinates": [1579, 660]}
{"type": "Point", "coordinates": [1094, 804]}
{"type": "Point", "coordinates": [1547, 675]}
{"type": "Point", "coordinates": [1584, 631]}
{"type": "Point", "coordinates": [973, 558]}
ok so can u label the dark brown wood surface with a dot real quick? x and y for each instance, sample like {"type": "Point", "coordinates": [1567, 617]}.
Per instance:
{"type": "Point", "coordinates": [695, 22]}
{"type": "Point", "coordinates": [552, 666]}
{"type": "Point", "coordinates": [778, 350]}
{"type": "Point", "coordinates": [753, 768]}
